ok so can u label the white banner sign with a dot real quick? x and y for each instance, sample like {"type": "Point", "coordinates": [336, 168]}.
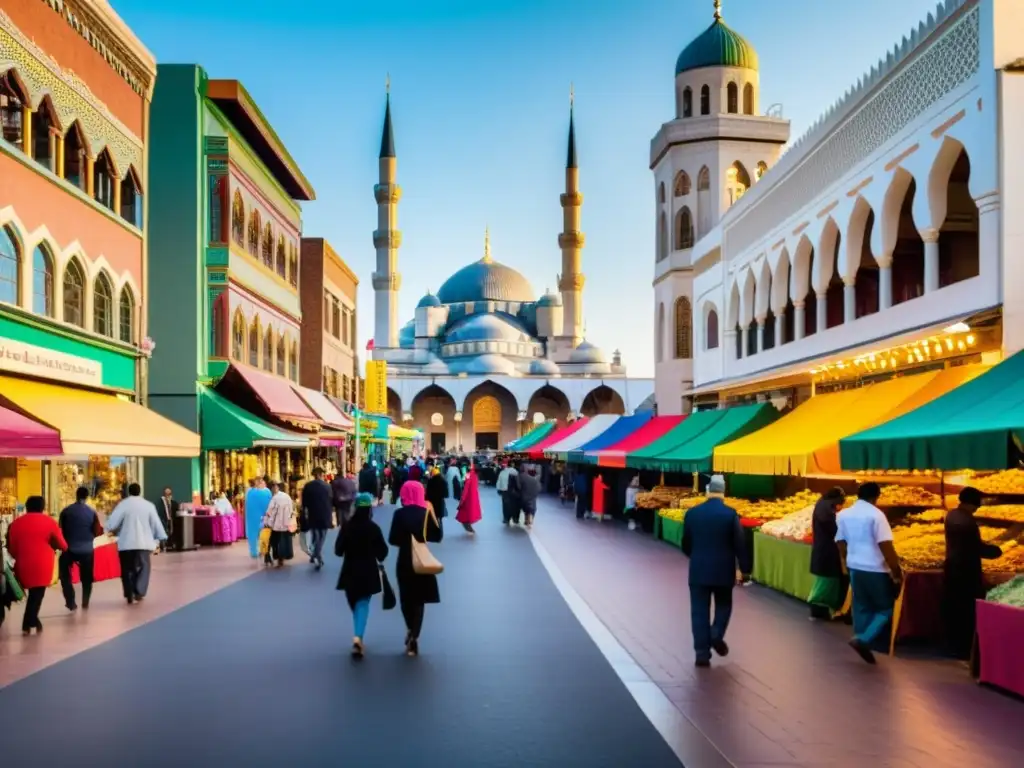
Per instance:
{"type": "Point", "coordinates": [28, 359]}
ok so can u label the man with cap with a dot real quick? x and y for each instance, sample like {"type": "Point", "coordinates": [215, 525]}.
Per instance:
{"type": "Point", "coordinates": [713, 540]}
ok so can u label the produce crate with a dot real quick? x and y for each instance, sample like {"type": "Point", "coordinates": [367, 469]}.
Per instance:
{"type": "Point", "coordinates": [785, 566]}
{"type": "Point", "coordinates": [672, 532]}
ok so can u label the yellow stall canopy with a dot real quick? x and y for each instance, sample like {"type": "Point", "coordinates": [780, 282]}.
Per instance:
{"type": "Point", "coordinates": [806, 440]}
{"type": "Point", "coordinates": [100, 424]}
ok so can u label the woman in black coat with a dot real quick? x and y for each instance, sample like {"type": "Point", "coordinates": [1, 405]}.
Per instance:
{"type": "Point", "coordinates": [437, 492]}
{"type": "Point", "coordinates": [361, 543]}
{"type": "Point", "coordinates": [414, 590]}
{"type": "Point", "coordinates": [830, 584]}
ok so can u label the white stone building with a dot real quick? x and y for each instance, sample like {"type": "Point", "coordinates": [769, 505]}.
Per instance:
{"type": "Point", "coordinates": [891, 219]}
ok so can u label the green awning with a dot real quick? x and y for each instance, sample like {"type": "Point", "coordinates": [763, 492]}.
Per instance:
{"type": "Point", "coordinates": [225, 426]}
{"type": "Point", "coordinates": [532, 437]}
{"type": "Point", "coordinates": [695, 453]}
{"type": "Point", "coordinates": [978, 425]}
{"type": "Point", "coordinates": [683, 432]}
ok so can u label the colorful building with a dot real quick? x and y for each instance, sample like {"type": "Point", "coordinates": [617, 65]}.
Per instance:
{"type": "Point", "coordinates": [75, 91]}
{"type": "Point", "coordinates": [226, 231]}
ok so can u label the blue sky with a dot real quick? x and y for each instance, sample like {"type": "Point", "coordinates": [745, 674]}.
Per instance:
{"type": "Point", "coordinates": [480, 99]}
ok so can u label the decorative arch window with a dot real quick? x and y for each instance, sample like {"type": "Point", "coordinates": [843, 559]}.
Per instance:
{"type": "Point", "coordinates": [661, 192]}
{"type": "Point", "coordinates": [238, 337]}
{"type": "Point", "coordinates": [45, 130]}
{"type": "Point", "coordinates": [42, 282]}
{"type": "Point", "coordinates": [662, 237]}
{"type": "Point", "coordinates": [748, 99]}
{"type": "Point", "coordinates": [281, 355]}
{"type": "Point", "coordinates": [10, 268]}
{"type": "Point", "coordinates": [74, 294]}
{"type": "Point", "coordinates": [103, 306]}
{"type": "Point", "coordinates": [711, 330]}
{"type": "Point", "coordinates": [12, 109]}
{"type": "Point", "coordinates": [103, 176]}
{"type": "Point", "coordinates": [75, 151]}
{"type": "Point", "coordinates": [684, 329]}
{"type": "Point", "coordinates": [254, 344]}
{"type": "Point", "coordinates": [293, 265]}
{"type": "Point", "coordinates": [732, 98]}
{"type": "Point", "coordinates": [705, 100]}
{"type": "Point", "coordinates": [737, 181]}
{"type": "Point", "coordinates": [126, 316]}
{"type": "Point", "coordinates": [238, 219]}
{"type": "Point", "coordinates": [704, 179]}
{"type": "Point", "coordinates": [268, 246]}
{"type": "Point", "coordinates": [255, 227]}
{"type": "Point", "coordinates": [687, 102]}
{"type": "Point", "coordinates": [293, 362]}
{"type": "Point", "coordinates": [684, 229]}
{"type": "Point", "coordinates": [282, 267]}
{"type": "Point", "coordinates": [268, 350]}
{"type": "Point", "coordinates": [218, 209]}
{"type": "Point", "coordinates": [131, 198]}
{"type": "Point", "coordinates": [681, 187]}
{"type": "Point", "coordinates": [760, 170]}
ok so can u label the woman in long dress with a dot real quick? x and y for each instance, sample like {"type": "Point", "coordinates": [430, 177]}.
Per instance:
{"type": "Point", "coordinates": [437, 492]}
{"type": "Point", "coordinates": [415, 590]}
{"type": "Point", "coordinates": [469, 505]}
{"type": "Point", "coordinates": [361, 543]}
{"type": "Point", "coordinates": [597, 498]}
{"type": "Point", "coordinates": [279, 520]}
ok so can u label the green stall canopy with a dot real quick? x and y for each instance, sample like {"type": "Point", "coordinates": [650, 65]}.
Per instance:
{"type": "Point", "coordinates": [686, 430]}
{"type": "Point", "coordinates": [227, 427]}
{"type": "Point", "coordinates": [532, 437]}
{"type": "Point", "coordinates": [978, 425]}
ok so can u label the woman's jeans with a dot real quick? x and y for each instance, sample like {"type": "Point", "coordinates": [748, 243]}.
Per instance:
{"type": "Point", "coordinates": [360, 615]}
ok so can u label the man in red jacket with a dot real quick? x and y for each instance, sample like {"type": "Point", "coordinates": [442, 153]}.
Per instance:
{"type": "Point", "coordinates": [31, 540]}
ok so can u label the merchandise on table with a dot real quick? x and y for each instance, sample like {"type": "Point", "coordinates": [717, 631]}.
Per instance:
{"type": "Point", "coordinates": [1010, 481]}
{"type": "Point", "coordinates": [1011, 561]}
{"type": "Point", "coordinates": [922, 546]}
{"type": "Point", "coordinates": [661, 496]}
{"type": "Point", "coordinates": [672, 513]}
{"type": "Point", "coordinates": [796, 526]}
{"type": "Point", "coordinates": [903, 496]}
{"type": "Point", "coordinates": [1012, 513]}
{"type": "Point", "coordinates": [1008, 593]}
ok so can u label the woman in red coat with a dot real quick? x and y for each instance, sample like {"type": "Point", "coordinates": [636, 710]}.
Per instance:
{"type": "Point", "coordinates": [31, 540]}
{"type": "Point", "coordinates": [597, 499]}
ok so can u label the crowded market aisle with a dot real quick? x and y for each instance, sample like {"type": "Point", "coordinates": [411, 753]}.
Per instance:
{"type": "Point", "coordinates": [791, 692]}
{"type": "Point", "coordinates": [260, 673]}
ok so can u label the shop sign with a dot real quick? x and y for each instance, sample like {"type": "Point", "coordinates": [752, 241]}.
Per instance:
{"type": "Point", "coordinates": [367, 427]}
{"type": "Point", "coordinates": [30, 360]}
{"type": "Point", "coordinates": [376, 390]}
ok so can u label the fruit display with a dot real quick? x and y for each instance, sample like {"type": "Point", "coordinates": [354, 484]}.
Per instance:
{"type": "Point", "coordinates": [908, 496]}
{"type": "Point", "coordinates": [1012, 560]}
{"type": "Point", "coordinates": [929, 516]}
{"type": "Point", "coordinates": [1009, 593]}
{"type": "Point", "coordinates": [1013, 513]}
{"type": "Point", "coordinates": [672, 513]}
{"type": "Point", "coordinates": [1008, 481]}
{"type": "Point", "coordinates": [922, 546]}
{"type": "Point", "coordinates": [796, 526]}
{"type": "Point", "coordinates": [661, 496]}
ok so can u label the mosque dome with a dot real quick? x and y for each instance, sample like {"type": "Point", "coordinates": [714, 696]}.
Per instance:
{"type": "Point", "coordinates": [483, 365]}
{"type": "Point", "coordinates": [717, 46]}
{"type": "Point", "coordinates": [587, 354]}
{"type": "Point", "coordinates": [487, 327]}
{"type": "Point", "coordinates": [429, 300]}
{"type": "Point", "coordinates": [544, 367]}
{"type": "Point", "coordinates": [407, 335]}
{"type": "Point", "coordinates": [485, 280]}
{"type": "Point", "coordinates": [550, 300]}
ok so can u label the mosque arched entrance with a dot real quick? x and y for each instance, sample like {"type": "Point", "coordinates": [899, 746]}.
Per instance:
{"type": "Point", "coordinates": [550, 403]}
{"type": "Point", "coordinates": [603, 400]}
{"type": "Point", "coordinates": [492, 411]}
{"type": "Point", "coordinates": [433, 411]}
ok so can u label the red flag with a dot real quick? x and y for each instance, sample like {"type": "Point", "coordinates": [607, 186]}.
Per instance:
{"type": "Point", "coordinates": [369, 344]}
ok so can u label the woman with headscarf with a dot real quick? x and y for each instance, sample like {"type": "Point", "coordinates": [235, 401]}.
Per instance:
{"type": "Point", "coordinates": [831, 582]}
{"type": "Point", "coordinates": [361, 544]}
{"type": "Point", "coordinates": [437, 492]}
{"type": "Point", "coordinates": [415, 590]}
{"type": "Point", "coordinates": [469, 505]}
{"type": "Point", "coordinates": [278, 519]}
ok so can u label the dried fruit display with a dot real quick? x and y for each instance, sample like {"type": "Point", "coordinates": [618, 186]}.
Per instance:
{"type": "Point", "coordinates": [1013, 513]}
{"type": "Point", "coordinates": [1009, 593]}
{"type": "Point", "coordinates": [908, 496]}
{"type": "Point", "coordinates": [661, 496]}
{"type": "Point", "coordinates": [1012, 560]}
{"type": "Point", "coordinates": [795, 526]}
{"type": "Point", "coordinates": [1008, 481]}
{"type": "Point", "coordinates": [922, 546]}
{"type": "Point", "coordinates": [672, 513]}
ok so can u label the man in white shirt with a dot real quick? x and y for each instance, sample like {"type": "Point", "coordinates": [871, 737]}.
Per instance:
{"type": "Point", "coordinates": [138, 528]}
{"type": "Point", "coordinates": [509, 497]}
{"type": "Point", "coordinates": [864, 538]}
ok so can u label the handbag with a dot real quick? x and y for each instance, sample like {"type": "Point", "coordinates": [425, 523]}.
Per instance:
{"type": "Point", "coordinates": [12, 584]}
{"type": "Point", "coordinates": [423, 561]}
{"type": "Point", "coordinates": [387, 593]}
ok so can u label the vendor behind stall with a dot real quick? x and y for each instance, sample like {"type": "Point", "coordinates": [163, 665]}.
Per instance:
{"type": "Point", "coordinates": [830, 580]}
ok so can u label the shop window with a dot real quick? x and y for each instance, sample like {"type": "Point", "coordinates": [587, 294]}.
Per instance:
{"type": "Point", "coordinates": [44, 134]}
{"type": "Point", "coordinates": [255, 226]}
{"type": "Point", "coordinates": [103, 176]}
{"type": "Point", "coordinates": [103, 306]}
{"type": "Point", "coordinates": [126, 316]}
{"type": "Point", "coordinates": [10, 268]}
{"type": "Point", "coordinates": [131, 199]}
{"type": "Point", "coordinates": [268, 246]}
{"type": "Point", "coordinates": [74, 156]}
{"type": "Point", "coordinates": [238, 219]}
{"type": "Point", "coordinates": [42, 282]}
{"type": "Point", "coordinates": [12, 106]}
{"type": "Point", "coordinates": [281, 265]}
{"type": "Point", "coordinates": [268, 351]}
{"type": "Point", "coordinates": [254, 344]}
{"type": "Point", "coordinates": [281, 356]}
{"type": "Point", "coordinates": [74, 294]}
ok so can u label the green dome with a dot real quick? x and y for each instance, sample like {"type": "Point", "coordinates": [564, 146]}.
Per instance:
{"type": "Point", "coordinates": [717, 46]}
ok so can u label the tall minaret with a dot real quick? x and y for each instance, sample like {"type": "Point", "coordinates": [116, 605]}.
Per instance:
{"type": "Point", "coordinates": [571, 242]}
{"type": "Point", "coordinates": [387, 239]}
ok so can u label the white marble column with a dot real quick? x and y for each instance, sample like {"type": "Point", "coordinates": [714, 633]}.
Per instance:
{"type": "Point", "coordinates": [729, 339]}
{"type": "Point", "coordinates": [760, 334]}
{"type": "Point", "coordinates": [780, 330]}
{"type": "Point", "coordinates": [885, 286]}
{"type": "Point", "coordinates": [931, 259]}
{"type": "Point", "coordinates": [798, 320]}
{"type": "Point", "coordinates": [744, 340]}
{"type": "Point", "coordinates": [849, 301]}
{"type": "Point", "coordinates": [821, 310]}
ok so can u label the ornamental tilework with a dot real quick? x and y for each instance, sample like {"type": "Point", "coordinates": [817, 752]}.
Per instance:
{"type": "Point", "coordinates": [71, 98]}
{"type": "Point", "coordinates": [946, 65]}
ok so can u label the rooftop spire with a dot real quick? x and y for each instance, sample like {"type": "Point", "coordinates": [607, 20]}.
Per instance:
{"type": "Point", "coordinates": [570, 161]}
{"type": "Point", "coordinates": [387, 139]}
{"type": "Point", "coordinates": [718, 10]}
{"type": "Point", "coordinates": [487, 246]}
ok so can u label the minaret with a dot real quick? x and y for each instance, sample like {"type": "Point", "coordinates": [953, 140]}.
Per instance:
{"type": "Point", "coordinates": [571, 242]}
{"type": "Point", "coordinates": [387, 239]}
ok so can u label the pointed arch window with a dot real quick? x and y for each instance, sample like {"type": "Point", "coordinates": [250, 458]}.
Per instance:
{"type": "Point", "coordinates": [238, 219]}
{"type": "Point", "coordinates": [74, 156]}
{"type": "Point", "coordinates": [705, 100]}
{"type": "Point", "coordinates": [662, 237]}
{"type": "Point", "coordinates": [102, 306]}
{"type": "Point", "coordinates": [42, 282]}
{"type": "Point", "coordinates": [74, 294]}
{"type": "Point", "coordinates": [684, 229]}
{"type": "Point", "coordinates": [711, 330]}
{"type": "Point", "coordinates": [293, 265]}
{"type": "Point", "coordinates": [760, 170]}
{"type": "Point", "coordinates": [687, 102]}
{"type": "Point", "coordinates": [293, 362]}
{"type": "Point", "coordinates": [684, 329]}
{"type": "Point", "coordinates": [255, 227]}
{"type": "Point", "coordinates": [103, 180]}
{"type": "Point", "coordinates": [126, 316]}
{"type": "Point", "coordinates": [681, 187]}
{"type": "Point", "coordinates": [732, 96]}
{"type": "Point", "coordinates": [268, 246]}
{"type": "Point", "coordinates": [748, 99]}
{"type": "Point", "coordinates": [661, 192]}
{"type": "Point", "coordinates": [131, 198]}
{"type": "Point", "coordinates": [281, 262]}
{"type": "Point", "coordinates": [238, 337]}
{"type": "Point", "coordinates": [704, 180]}
{"type": "Point", "coordinates": [282, 356]}
{"type": "Point", "coordinates": [268, 350]}
{"type": "Point", "coordinates": [45, 130]}
{"type": "Point", "coordinates": [254, 344]}
{"type": "Point", "coordinates": [10, 268]}
{"type": "Point", "coordinates": [12, 109]}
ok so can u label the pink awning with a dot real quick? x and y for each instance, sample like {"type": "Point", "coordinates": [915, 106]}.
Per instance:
{"type": "Point", "coordinates": [274, 393]}
{"type": "Point", "coordinates": [325, 410]}
{"type": "Point", "coordinates": [23, 437]}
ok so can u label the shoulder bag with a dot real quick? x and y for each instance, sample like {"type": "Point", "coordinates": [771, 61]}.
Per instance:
{"type": "Point", "coordinates": [423, 561]}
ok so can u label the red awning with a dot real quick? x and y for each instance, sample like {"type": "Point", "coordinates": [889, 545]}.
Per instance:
{"type": "Point", "coordinates": [325, 410]}
{"type": "Point", "coordinates": [537, 451]}
{"type": "Point", "coordinates": [615, 455]}
{"type": "Point", "coordinates": [22, 437]}
{"type": "Point", "coordinates": [273, 393]}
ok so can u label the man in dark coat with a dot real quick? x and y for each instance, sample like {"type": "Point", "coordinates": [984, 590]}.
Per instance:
{"type": "Point", "coordinates": [437, 492]}
{"type": "Point", "coordinates": [343, 493]}
{"type": "Point", "coordinates": [315, 516]}
{"type": "Point", "coordinates": [581, 487]}
{"type": "Point", "coordinates": [368, 480]}
{"type": "Point", "coordinates": [713, 540]}
{"type": "Point", "coordinates": [529, 491]}
{"type": "Point", "coordinates": [963, 576]}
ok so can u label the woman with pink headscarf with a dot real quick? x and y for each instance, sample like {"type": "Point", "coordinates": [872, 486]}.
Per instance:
{"type": "Point", "coordinates": [469, 504]}
{"type": "Point", "coordinates": [414, 520]}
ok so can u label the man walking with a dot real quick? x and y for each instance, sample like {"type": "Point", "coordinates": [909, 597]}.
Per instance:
{"type": "Point", "coordinates": [865, 543]}
{"type": "Point", "coordinates": [581, 487]}
{"type": "Point", "coordinates": [343, 494]}
{"type": "Point", "coordinates": [509, 497]}
{"type": "Point", "coordinates": [713, 540]}
{"type": "Point", "coordinates": [529, 491]}
{"type": "Point", "coordinates": [80, 525]}
{"type": "Point", "coordinates": [315, 515]}
{"type": "Point", "coordinates": [138, 529]}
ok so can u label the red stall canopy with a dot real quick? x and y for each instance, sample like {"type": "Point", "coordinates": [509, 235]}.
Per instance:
{"type": "Point", "coordinates": [615, 455]}
{"type": "Point", "coordinates": [21, 436]}
{"type": "Point", "coordinates": [537, 451]}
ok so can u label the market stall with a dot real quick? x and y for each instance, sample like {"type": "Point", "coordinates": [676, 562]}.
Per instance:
{"type": "Point", "coordinates": [614, 433]}
{"type": "Point", "coordinates": [615, 455]}
{"type": "Point", "coordinates": [537, 450]}
{"type": "Point", "coordinates": [212, 528]}
{"type": "Point", "coordinates": [1000, 627]}
{"type": "Point", "coordinates": [643, 457]}
{"type": "Point", "coordinates": [594, 427]}
{"type": "Point", "coordinates": [531, 438]}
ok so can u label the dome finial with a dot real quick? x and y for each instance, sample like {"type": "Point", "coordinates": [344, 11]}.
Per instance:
{"type": "Point", "coordinates": [487, 246]}
{"type": "Point", "coordinates": [718, 10]}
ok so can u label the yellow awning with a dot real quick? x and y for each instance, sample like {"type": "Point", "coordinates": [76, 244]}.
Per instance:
{"type": "Point", "coordinates": [806, 440]}
{"type": "Point", "coordinates": [99, 424]}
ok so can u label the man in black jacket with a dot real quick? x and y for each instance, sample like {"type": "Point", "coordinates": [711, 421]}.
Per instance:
{"type": "Point", "coordinates": [713, 540]}
{"type": "Point", "coordinates": [316, 514]}
{"type": "Point", "coordinates": [80, 526]}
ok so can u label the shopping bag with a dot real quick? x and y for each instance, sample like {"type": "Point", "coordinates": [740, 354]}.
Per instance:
{"type": "Point", "coordinates": [264, 546]}
{"type": "Point", "coordinates": [423, 561]}
{"type": "Point", "coordinates": [387, 593]}
{"type": "Point", "coordinates": [13, 585]}
{"type": "Point", "coordinates": [304, 542]}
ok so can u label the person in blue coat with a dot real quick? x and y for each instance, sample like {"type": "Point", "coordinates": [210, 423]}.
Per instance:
{"type": "Point", "coordinates": [713, 540]}
{"type": "Point", "coordinates": [257, 499]}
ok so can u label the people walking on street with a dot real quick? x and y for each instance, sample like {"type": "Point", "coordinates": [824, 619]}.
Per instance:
{"type": "Point", "coordinates": [830, 580]}
{"type": "Point", "coordinates": [581, 487]}
{"type": "Point", "coordinates": [509, 495]}
{"type": "Point", "coordinates": [713, 540]}
{"type": "Point", "coordinates": [138, 528]}
{"type": "Point", "coordinates": [167, 509]}
{"type": "Point", "coordinates": [80, 526]}
{"type": "Point", "coordinates": [31, 541]}
{"type": "Point", "coordinates": [469, 505]}
{"type": "Point", "coordinates": [257, 499]}
{"type": "Point", "coordinates": [865, 544]}
{"type": "Point", "coordinates": [963, 580]}
{"type": "Point", "coordinates": [279, 518]}
{"type": "Point", "coordinates": [316, 515]}
{"type": "Point", "coordinates": [343, 493]}
{"type": "Point", "coordinates": [361, 546]}
{"type": "Point", "coordinates": [529, 492]}
{"type": "Point", "coordinates": [368, 480]}
{"type": "Point", "coordinates": [454, 478]}
{"type": "Point", "coordinates": [415, 590]}
{"type": "Point", "coordinates": [437, 492]}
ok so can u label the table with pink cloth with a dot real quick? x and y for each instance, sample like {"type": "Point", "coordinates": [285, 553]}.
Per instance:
{"type": "Point", "coordinates": [210, 528]}
{"type": "Point", "coordinates": [1000, 644]}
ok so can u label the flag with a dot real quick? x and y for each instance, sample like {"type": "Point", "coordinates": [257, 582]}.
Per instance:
{"type": "Point", "coordinates": [369, 344]}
